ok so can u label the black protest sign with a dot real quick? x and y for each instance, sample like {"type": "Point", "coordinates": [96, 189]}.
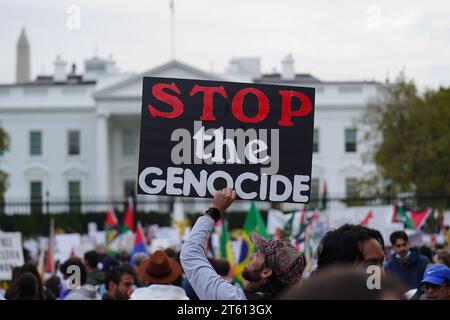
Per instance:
{"type": "Point", "coordinates": [200, 136]}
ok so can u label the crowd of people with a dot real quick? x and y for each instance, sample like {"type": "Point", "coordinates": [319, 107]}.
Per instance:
{"type": "Point", "coordinates": [351, 264]}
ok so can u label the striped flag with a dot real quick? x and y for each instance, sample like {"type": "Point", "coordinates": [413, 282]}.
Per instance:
{"type": "Point", "coordinates": [139, 243]}
{"type": "Point", "coordinates": [411, 219]}
{"type": "Point", "coordinates": [226, 251]}
{"type": "Point", "coordinates": [111, 225]}
{"type": "Point", "coordinates": [128, 224]}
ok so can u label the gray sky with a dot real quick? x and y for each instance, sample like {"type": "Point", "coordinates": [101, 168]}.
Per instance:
{"type": "Point", "coordinates": [334, 40]}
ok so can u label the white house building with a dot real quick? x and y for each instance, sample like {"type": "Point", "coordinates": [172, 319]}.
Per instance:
{"type": "Point", "coordinates": [76, 135]}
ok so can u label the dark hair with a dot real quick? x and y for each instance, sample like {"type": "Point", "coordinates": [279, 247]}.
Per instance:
{"type": "Point", "coordinates": [170, 252]}
{"type": "Point", "coordinates": [102, 256]}
{"type": "Point", "coordinates": [123, 256]}
{"type": "Point", "coordinates": [444, 255]}
{"type": "Point", "coordinates": [398, 235]}
{"type": "Point", "coordinates": [221, 266]}
{"type": "Point", "coordinates": [27, 287]}
{"type": "Point", "coordinates": [91, 258]}
{"type": "Point", "coordinates": [426, 251]}
{"type": "Point", "coordinates": [74, 261]}
{"type": "Point", "coordinates": [12, 292]}
{"type": "Point", "coordinates": [53, 285]}
{"type": "Point", "coordinates": [26, 255]}
{"type": "Point", "coordinates": [30, 267]}
{"type": "Point", "coordinates": [114, 274]}
{"type": "Point", "coordinates": [15, 272]}
{"type": "Point", "coordinates": [343, 244]}
{"type": "Point", "coordinates": [340, 282]}
{"type": "Point", "coordinates": [178, 281]}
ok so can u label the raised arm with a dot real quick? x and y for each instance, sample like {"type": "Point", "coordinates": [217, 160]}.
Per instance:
{"type": "Point", "coordinates": [208, 285]}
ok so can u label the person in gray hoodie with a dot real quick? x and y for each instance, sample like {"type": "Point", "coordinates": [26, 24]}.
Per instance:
{"type": "Point", "coordinates": [74, 272]}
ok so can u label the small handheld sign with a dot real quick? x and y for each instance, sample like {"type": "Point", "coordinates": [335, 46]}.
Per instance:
{"type": "Point", "coordinates": [200, 136]}
{"type": "Point", "coordinates": [11, 253]}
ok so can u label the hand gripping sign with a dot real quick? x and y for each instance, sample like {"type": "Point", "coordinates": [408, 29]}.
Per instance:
{"type": "Point", "coordinates": [199, 136]}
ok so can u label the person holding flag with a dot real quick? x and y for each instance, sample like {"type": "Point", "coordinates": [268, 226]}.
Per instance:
{"type": "Point", "coordinates": [275, 266]}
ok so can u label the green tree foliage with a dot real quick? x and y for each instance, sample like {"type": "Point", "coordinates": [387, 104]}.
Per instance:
{"type": "Point", "coordinates": [409, 139]}
{"type": "Point", "coordinates": [4, 145]}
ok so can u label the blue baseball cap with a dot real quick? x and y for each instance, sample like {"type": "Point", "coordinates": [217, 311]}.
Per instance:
{"type": "Point", "coordinates": [110, 262]}
{"type": "Point", "coordinates": [437, 274]}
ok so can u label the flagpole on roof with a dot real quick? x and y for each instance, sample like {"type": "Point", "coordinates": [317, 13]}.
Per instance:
{"type": "Point", "coordinates": [172, 28]}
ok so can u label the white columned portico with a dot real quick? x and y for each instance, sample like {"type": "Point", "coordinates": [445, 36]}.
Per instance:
{"type": "Point", "coordinates": [102, 157]}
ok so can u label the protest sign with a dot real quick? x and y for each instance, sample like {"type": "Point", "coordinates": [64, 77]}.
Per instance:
{"type": "Point", "coordinates": [11, 253]}
{"type": "Point", "coordinates": [201, 136]}
{"type": "Point", "coordinates": [66, 245]}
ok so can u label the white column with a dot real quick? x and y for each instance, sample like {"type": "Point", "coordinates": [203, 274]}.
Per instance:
{"type": "Point", "coordinates": [102, 157]}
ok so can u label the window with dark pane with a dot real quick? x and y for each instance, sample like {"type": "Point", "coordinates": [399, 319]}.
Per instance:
{"type": "Point", "coordinates": [36, 196]}
{"type": "Point", "coordinates": [35, 143]}
{"type": "Point", "coordinates": [74, 196]}
{"type": "Point", "coordinates": [73, 137]}
{"type": "Point", "coordinates": [350, 140]}
{"type": "Point", "coordinates": [314, 200]}
{"type": "Point", "coordinates": [351, 187]}
{"type": "Point", "coordinates": [129, 142]}
{"type": "Point", "coordinates": [316, 140]}
{"type": "Point", "coordinates": [129, 188]}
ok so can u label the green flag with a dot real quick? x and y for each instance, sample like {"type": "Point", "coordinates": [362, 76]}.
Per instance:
{"type": "Point", "coordinates": [226, 251]}
{"type": "Point", "coordinates": [287, 230]}
{"type": "Point", "coordinates": [255, 223]}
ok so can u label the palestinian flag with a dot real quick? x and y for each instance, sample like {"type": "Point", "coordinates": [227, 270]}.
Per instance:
{"type": "Point", "coordinates": [306, 219]}
{"type": "Point", "coordinates": [111, 225]}
{"type": "Point", "coordinates": [419, 217]}
{"type": "Point", "coordinates": [287, 230]}
{"type": "Point", "coordinates": [128, 224]}
{"type": "Point", "coordinates": [411, 219]}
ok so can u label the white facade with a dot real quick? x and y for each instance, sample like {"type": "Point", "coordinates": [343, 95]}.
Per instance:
{"type": "Point", "coordinates": [107, 110]}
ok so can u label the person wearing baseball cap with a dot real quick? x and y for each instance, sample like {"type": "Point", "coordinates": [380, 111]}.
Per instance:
{"type": "Point", "coordinates": [436, 282]}
{"type": "Point", "coordinates": [275, 266]}
{"type": "Point", "coordinates": [284, 261]}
